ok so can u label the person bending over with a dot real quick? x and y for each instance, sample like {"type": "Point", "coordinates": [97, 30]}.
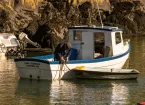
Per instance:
{"type": "Point", "coordinates": [62, 52]}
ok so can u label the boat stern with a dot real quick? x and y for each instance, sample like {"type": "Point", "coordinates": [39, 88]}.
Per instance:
{"type": "Point", "coordinates": [33, 68]}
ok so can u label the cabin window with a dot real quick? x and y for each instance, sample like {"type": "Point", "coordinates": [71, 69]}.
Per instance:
{"type": "Point", "coordinates": [118, 37]}
{"type": "Point", "coordinates": [99, 38]}
{"type": "Point", "coordinates": [77, 35]}
{"type": "Point", "coordinates": [13, 41]}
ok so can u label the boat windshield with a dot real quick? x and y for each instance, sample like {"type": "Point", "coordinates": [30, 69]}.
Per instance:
{"type": "Point", "coordinates": [14, 41]}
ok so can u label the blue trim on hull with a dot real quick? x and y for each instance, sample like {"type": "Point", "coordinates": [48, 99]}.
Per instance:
{"type": "Point", "coordinates": [44, 57]}
{"type": "Point", "coordinates": [76, 61]}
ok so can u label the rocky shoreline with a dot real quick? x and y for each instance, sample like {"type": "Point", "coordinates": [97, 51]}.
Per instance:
{"type": "Point", "coordinates": [47, 24]}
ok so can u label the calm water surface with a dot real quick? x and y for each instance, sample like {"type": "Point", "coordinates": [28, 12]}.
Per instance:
{"type": "Point", "coordinates": [15, 91]}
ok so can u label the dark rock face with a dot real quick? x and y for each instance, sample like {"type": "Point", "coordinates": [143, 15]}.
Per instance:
{"type": "Point", "coordinates": [84, 9]}
{"type": "Point", "coordinates": [48, 24]}
{"type": "Point", "coordinates": [3, 18]}
{"type": "Point", "coordinates": [127, 15]}
{"type": "Point", "coordinates": [16, 2]}
{"type": "Point", "coordinates": [44, 36]}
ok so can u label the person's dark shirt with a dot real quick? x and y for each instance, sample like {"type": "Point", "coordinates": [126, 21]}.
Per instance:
{"type": "Point", "coordinates": [61, 51]}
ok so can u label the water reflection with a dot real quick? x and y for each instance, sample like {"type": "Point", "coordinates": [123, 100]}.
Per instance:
{"type": "Point", "coordinates": [8, 80]}
{"type": "Point", "coordinates": [137, 55]}
{"type": "Point", "coordinates": [63, 92]}
{"type": "Point", "coordinates": [33, 92]}
{"type": "Point", "coordinates": [15, 91]}
{"type": "Point", "coordinates": [120, 94]}
{"type": "Point", "coordinates": [78, 92]}
{"type": "Point", "coordinates": [105, 92]}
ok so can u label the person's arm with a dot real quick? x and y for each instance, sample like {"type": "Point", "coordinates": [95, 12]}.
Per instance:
{"type": "Point", "coordinates": [67, 58]}
{"type": "Point", "coordinates": [62, 59]}
{"type": "Point", "coordinates": [68, 54]}
{"type": "Point", "coordinates": [60, 55]}
{"type": "Point", "coordinates": [58, 51]}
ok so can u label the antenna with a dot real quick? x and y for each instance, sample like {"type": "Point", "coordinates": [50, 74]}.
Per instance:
{"type": "Point", "coordinates": [99, 15]}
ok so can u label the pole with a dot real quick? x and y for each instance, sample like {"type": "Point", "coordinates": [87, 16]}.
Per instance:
{"type": "Point", "coordinates": [100, 15]}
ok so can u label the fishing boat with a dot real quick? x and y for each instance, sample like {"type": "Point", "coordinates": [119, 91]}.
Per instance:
{"type": "Point", "coordinates": [92, 47]}
{"type": "Point", "coordinates": [8, 41]}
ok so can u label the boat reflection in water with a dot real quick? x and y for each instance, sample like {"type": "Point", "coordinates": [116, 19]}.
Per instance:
{"type": "Point", "coordinates": [80, 92]}
{"type": "Point", "coordinates": [33, 92]}
{"type": "Point", "coordinates": [120, 94]}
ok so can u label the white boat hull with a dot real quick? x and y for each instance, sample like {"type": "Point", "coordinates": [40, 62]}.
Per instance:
{"type": "Point", "coordinates": [50, 70]}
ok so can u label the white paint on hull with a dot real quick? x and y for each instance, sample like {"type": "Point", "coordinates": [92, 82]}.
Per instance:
{"type": "Point", "coordinates": [39, 70]}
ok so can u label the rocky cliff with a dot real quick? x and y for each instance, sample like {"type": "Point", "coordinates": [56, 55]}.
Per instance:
{"type": "Point", "coordinates": [46, 21]}
{"type": "Point", "coordinates": [24, 3]}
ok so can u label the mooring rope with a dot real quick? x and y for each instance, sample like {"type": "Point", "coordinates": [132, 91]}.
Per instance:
{"type": "Point", "coordinates": [61, 70]}
{"type": "Point", "coordinates": [70, 70]}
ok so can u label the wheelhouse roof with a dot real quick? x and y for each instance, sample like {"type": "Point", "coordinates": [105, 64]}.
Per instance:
{"type": "Point", "coordinates": [105, 28]}
{"type": "Point", "coordinates": [7, 34]}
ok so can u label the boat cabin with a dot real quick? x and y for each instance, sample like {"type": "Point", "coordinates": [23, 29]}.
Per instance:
{"type": "Point", "coordinates": [8, 40]}
{"type": "Point", "coordinates": [96, 42]}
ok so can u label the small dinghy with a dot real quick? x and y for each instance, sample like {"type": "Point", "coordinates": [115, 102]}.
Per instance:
{"type": "Point", "coordinates": [105, 73]}
{"type": "Point", "coordinates": [8, 41]}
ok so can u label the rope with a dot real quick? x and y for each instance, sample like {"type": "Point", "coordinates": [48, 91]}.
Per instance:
{"type": "Point", "coordinates": [60, 71]}
{"type": "Point", "coordinates": [67, 67]}
{"type": "Point", "coordinates": [61, 68]}
{"type": "Point", "coordinates": [69, 70]}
